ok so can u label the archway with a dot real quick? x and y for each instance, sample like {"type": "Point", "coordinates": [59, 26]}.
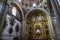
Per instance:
{"type": "Point", "coordinates": [37, 25]}
{"type": "Point", "coordinates": [13, 21]}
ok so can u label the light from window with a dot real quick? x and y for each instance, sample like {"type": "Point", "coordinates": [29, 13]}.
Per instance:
{"type": "Point", "coordinates": [19, 0]}
{"type": "Point", "coordinates": [59, 2]}
{"type": "Point", "coordinates": [0, 7]}
{"type": "Point", "coordinates": [34, 4]}
{"type": "Point", "coordinates": [14, 11]}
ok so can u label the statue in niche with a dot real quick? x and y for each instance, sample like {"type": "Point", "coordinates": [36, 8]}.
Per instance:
{"type": "Point", "coordinates": [38, 30]}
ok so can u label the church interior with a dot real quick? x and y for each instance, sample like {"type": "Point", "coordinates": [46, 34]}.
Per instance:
{"type": "Point", "coordinates": [29, 19]}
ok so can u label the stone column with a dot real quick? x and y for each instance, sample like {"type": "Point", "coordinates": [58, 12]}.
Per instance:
{"type": "Point", "coordinates": [3, 20]}
{"type": "Point", "coordinates": [50, 27]}
{"type": "Point", "coordinates": [56, 12]}
{"type": "Point", "coordinates": [24, 32]}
